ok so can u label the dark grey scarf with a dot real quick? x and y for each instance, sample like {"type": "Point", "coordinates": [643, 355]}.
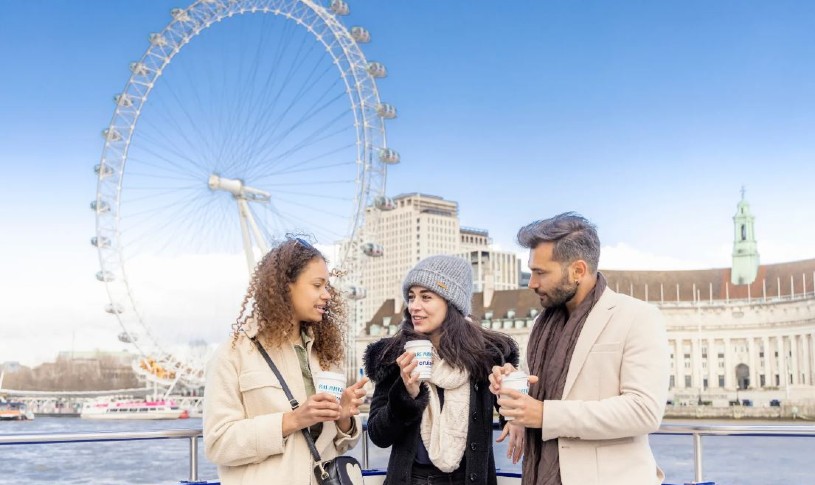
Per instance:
{"type": "Point", "coordinates": [549, 355]}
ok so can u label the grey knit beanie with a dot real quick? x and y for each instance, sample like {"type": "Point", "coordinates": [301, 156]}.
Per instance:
{"type": "Point", "coordinates": [448, 276]}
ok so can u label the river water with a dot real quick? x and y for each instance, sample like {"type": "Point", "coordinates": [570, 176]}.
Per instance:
{"type": "Point", "coordinates": [749, 460]}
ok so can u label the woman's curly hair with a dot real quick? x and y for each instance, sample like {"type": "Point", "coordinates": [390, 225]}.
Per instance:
{"type": "Point", "coordinates": [268, 302]}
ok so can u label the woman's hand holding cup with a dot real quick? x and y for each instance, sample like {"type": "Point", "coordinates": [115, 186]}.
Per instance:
{"type": "Point", "coordinates": [318, 408]}
{"type": "Point", "coordinates": [407, 363]}
{"type": "Point", "coordinates": [498, 374]}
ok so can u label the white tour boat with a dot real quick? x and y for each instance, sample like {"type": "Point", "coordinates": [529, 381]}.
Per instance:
{"type": "Point", "coordinates": [133, 409]}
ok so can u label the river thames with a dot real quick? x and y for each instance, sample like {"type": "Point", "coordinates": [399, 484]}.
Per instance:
{"type": "Point", "coordinates": [741, 460]}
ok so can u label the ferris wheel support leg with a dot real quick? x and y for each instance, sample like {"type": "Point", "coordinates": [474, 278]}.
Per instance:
{"type": "Point", "coordinates": [243, 215]}
{"type": "Point", "coordinates": [259, 239]}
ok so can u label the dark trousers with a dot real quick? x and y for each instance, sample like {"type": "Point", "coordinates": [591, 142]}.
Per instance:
{"type": "Point", "coordinates": [430, 475]}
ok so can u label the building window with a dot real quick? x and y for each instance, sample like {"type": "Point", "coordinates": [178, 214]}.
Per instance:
{"type": "Point", "coordinates": [687, 381]}
{"type": "Point", "coordinates": [721, 381]}
{"type": "Point", "coordinates": [673, 382]}
{"type": "Point", "coordinates": [762, 380]}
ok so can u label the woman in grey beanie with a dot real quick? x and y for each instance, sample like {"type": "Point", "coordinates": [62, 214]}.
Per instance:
{"type": "Point", "coordinates": [412, 416]}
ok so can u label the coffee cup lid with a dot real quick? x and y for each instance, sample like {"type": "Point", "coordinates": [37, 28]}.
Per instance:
{"type": "Point", "coordinates": [418, 343]}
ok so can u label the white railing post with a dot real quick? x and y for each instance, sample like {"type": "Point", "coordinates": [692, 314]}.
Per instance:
{"type": "Point", "coordinates": [697, 458]}
{"type": "Point", "coordinates": [193, 458]}
{"type": "Point", "coordinates": [365, 449]}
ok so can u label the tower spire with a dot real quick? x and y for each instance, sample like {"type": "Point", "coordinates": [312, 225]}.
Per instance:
{"type": "Point", "coordinates": [745, 251]}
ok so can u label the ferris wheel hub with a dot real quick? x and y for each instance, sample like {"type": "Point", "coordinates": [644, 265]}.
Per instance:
{"type": "Point", "coordinates": [237, 188]}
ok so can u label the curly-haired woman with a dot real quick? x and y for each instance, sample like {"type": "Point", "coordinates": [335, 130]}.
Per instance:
{"type": "Point", "coordinates": [439, 431]}
{"type": "Point", "coordinates": [250, 429]}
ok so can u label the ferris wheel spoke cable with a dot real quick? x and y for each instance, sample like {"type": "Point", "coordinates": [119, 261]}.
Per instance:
{"type": "Point", "coordinates": [276, 139]}
{"type": "Point", "coordinates": [189, 123]}
{"type": "Point", "coordinates": [269, 132]}
{"type": "Point", "coordinates": [321, 210]}
{"type": "Point", "coordinates": [305, 165]}
{"type": "Point", "coordinates": [264, 126]}
{"type": "Point", "coordinates": [164, 138]}
{"type": "Point", "coordinates": [181, 170]}
{"type": "Point", "coordinates": [312, 138]}
{"type": "Point", "coordinates": [170, 232]}
{"type": "Point", "coordinates": [269, 160]}
{"type": "Point", "coordinates": [146, 175]}
{"type": "Point", "coordinates": [318, 196]}
{"type": "Point", "coordinates": [271, 119]}
{"type": "Point", "coordinates": [235, 123]}
{"type": "Point", "coordinates": [168, 208]}
{"type": "Point", "coordinates": [318, 168]}
{"type": "Point", "coordinates": [157, 192]}
{"type": "Point", "coordinates": [318, 182]}
{"type": "Point", "coordinates": [323, 234]}
{"type": "Point", "coordinates": [169, 147]}
{"type": "Point", "coordinates": [155, 226]}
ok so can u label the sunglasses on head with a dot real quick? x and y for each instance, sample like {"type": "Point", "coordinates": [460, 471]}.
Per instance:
{"type": "Point", "coordinates": [303, 243]}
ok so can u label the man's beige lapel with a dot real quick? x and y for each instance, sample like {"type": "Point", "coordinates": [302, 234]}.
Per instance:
{"type": "Point", "coordinates": [595, 323]}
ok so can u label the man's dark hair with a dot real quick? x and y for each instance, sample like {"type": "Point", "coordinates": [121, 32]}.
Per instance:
{"type": "Point", "coordinates": [574, 238]}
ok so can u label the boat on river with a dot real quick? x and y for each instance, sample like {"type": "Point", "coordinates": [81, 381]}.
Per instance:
{"type": "Point", "coordinates": [15, 411]}
{"type": "Point", "coordinates": [133, 409]}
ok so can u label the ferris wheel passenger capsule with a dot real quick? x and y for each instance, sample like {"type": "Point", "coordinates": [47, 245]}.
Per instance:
{"type": "Point", "coordinates": [389, 156]}
{"type": "Point", "coordinates": [114, 308]}
{"type": "Point", "coordinates": [356, 293]}
{"type": "Point", "coordinates": [386, 111]}
{"type": "Point", "coordinates": [126, 338]}
{"type": "Point", "coordinates": [110, 134]}
{"type": "Point", "coordinates": [158, 40]}
{"type": "Point", "coordinates": [360, 35]}
{"type": "Point", "coordinates": [180, 14]}
{"type": "Point", "coordinates": [373, 249]}
{"type": "Point", "coordinates": [339, 7]}
{"type": "Point", "coordinates": [102, 170]}
{"type": "Point", "coordinates": [105, 276]}
{"type": "Point", "coordinates": [384, 203]}
{"type": "Point", "coordinates": [123, 100]}
{"type": "Point", "coordinates": [138, 68]}
{"type": "Point", "coordinates": [100, 242]}
{"type": "Point", "coordinates": [100, 206]}
{"type": "Point", "coordinates": [377, 70]}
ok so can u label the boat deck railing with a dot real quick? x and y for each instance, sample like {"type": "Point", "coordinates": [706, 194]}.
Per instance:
{"type": "Point", "coordinates": [192, 436]}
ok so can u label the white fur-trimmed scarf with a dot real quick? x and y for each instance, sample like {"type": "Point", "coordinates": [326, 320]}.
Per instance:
{"type": "Point", "coordinates": [449, 421]}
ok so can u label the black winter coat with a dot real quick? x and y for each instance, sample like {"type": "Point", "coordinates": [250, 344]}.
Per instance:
{"type": "Point", "coordinates": [395, 417]}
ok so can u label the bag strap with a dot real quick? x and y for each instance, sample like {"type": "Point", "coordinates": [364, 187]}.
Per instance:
{"type": "Point", "coordinates": [294, 404]}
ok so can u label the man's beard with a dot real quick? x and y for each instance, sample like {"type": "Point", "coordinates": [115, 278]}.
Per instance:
{"type": "Point", "coordinates": [564, 292]}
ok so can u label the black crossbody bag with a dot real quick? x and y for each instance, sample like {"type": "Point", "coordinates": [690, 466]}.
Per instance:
{"type": "Point", "coordinates": [342, 470]}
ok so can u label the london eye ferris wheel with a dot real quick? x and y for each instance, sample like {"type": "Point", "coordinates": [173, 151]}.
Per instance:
{"type": "Point", "coordinates": [268, 122]}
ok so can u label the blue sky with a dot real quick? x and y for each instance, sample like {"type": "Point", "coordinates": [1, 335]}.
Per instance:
{"type": "Point", "coordinates": [647, 117]}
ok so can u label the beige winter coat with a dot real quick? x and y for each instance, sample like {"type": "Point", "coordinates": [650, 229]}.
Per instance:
{"type": "Point", "coordinates": [243, 413]}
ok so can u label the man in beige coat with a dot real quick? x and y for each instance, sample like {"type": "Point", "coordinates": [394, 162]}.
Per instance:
{"type": "Point", "coordinates": [600, 362]}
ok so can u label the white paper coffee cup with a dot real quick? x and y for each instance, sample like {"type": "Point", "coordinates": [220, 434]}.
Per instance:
{"type": "Point", "coordinates": [331, 382]}
{"type": "Point", "coordinates": [518, 380]}
{"type": "Point", "coordinates": [423, 349]}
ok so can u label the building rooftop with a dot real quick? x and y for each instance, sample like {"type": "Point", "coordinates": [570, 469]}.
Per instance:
{"type": "Point", "coordinates": [780, 279]}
